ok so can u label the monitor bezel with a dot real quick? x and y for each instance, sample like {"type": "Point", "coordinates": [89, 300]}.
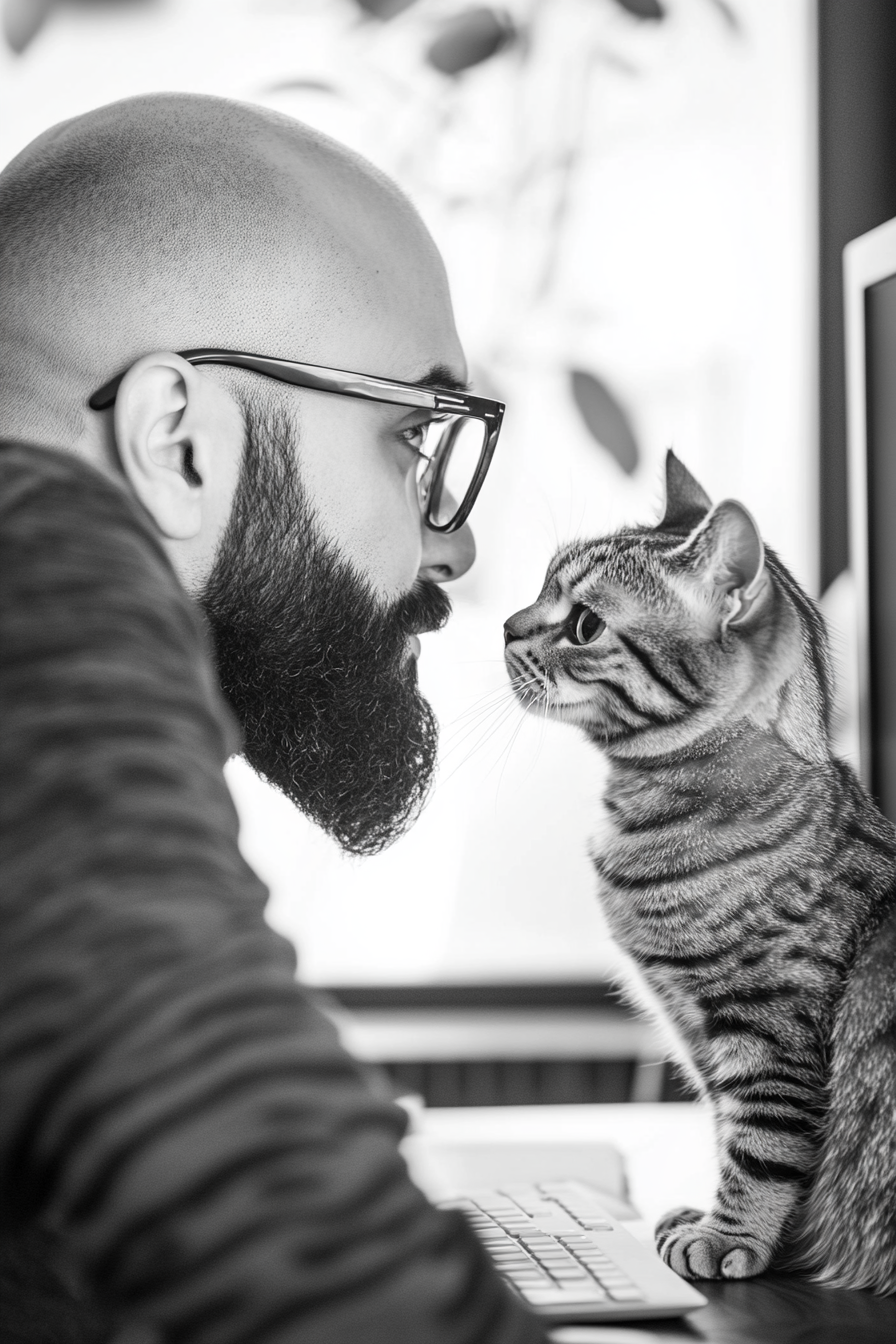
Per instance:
{"type": "Point", "coordinates": [867, 260]}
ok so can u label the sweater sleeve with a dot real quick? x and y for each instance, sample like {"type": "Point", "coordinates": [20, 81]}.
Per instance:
{"type": "Point", "coordinates": [173, 1106]}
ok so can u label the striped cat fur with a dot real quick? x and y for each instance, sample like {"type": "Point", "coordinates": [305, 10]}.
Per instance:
{"type": "Point", "coordinates": [744, 871]}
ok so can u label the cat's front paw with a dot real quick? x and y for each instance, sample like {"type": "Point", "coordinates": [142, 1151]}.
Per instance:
{"type": "Point", "coordinates": [696, 1249]}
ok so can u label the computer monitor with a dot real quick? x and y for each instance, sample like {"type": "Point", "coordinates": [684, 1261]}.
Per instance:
{"type": "Point", "coordinates": [870, 310]}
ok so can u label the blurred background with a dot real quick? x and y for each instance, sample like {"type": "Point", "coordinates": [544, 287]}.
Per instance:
{"type": "Point", "coordinates": [641, 204]}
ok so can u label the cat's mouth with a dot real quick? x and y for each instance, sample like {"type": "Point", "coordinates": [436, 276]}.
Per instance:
{"type": "Point", "coordinates": [531, 691]}
{"type": "Point", "coordinates": [536, 693]}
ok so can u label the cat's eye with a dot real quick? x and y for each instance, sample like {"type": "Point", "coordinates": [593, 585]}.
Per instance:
{"type": "Point", "coordinates": [583, 626]}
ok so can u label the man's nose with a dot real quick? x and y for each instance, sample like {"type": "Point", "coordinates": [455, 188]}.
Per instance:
{"type": "Point", "coordinates": [447, 555]}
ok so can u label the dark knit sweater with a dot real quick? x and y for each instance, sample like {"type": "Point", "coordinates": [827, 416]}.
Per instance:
{"type": "Point", "coordinates": [177, 1118]}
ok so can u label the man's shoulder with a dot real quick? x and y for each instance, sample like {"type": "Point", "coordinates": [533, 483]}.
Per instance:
{"type": "Point", "coordinates": [90, 603]}
{"type": "Point", "coordinates": [36, 477]}
{"type": "Point", "coordinates": [64, 516]}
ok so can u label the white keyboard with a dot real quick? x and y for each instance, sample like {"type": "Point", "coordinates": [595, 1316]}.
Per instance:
{"type": "Point", "coordinates": [558, 1248]}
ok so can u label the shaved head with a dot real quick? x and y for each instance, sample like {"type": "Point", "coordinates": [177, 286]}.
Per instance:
{"type": "Point", "coordinates": [173, 221]}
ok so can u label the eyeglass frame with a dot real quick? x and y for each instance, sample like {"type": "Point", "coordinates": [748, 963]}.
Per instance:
{"type": "Point", "coordinates": [365, 387]}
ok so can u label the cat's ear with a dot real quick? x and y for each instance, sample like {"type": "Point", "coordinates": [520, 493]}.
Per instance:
{"type": "Point", "coordinates": [726, 553]}
{"type": "Point", "coordinates": [686, 501]}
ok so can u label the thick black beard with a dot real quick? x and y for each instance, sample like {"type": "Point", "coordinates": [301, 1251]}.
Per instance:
{"type": "Point", "coordinates": [316, 669]}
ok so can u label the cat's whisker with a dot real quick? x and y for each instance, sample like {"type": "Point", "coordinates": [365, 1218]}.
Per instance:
{"type": "Point", "coordinates": [505, 754]}
{"type": "Point", "coordinates": [542, 717]}
{"type": "Point", "coordinates": [481, 743]}
{"type": "Point", "coordinates": [481, 709]}
{"type": "Point", "coordinates": [496, 692]}
{"type": "Point", "coordinates": [467, 730]}
{"type": "Point", "coordinates": [474, 718]}
{"type": "Point", "coordinates": [542, 728]}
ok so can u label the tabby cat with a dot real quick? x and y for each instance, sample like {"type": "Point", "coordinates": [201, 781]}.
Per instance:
{"type": "Point", "coordinates": [744, 871]}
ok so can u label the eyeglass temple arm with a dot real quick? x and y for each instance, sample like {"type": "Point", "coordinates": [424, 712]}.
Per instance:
{"type": "Point", "coordinates": [311, 376]}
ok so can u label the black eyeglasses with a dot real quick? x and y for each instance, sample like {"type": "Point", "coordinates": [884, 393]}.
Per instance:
{"type": "Point", "coordinates": [456, 445]}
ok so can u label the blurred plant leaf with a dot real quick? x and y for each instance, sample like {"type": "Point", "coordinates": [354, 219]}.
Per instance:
{"type": "Point", "coordinates": [643, 9]}
{"type": "Point", "coordinates": [303, 85]}
{"type": "Point", "coordinates": [469, 38]}
{"type": "Point", "coordinates": [384, 9]}
{"type": "Point", "coordinates": [728, 14]}
{"type": "Point", "coordinates": [605, 419]}
{"type": "Point", "coordinates": [23, 20]}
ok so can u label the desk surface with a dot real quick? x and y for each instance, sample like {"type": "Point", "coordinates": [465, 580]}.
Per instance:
{"type": "Point", "coordinates": [669, 1155]}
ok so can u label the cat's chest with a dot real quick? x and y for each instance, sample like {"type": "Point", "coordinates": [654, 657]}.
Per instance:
{"type": "Point", "coordinates": [653, 904]}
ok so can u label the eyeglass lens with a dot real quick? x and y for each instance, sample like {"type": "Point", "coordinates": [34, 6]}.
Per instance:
{"type": "Point", "coordinates": [454, 447]}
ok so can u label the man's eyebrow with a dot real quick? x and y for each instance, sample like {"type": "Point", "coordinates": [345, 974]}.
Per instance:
{"type": "Point", "coordinates": [441, 376]}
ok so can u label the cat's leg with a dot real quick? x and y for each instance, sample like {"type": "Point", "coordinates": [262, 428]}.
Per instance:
{"type": "Point", "coordinates": [765, 1159]}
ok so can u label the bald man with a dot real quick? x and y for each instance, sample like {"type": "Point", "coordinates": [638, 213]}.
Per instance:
{"type": "Point", "coordinates": [184, 283]}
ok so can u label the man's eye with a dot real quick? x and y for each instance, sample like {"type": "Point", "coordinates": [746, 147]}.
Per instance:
{"type": "Point", "coordinates": [583, 626]}
{"type": "Point", "coordinates": [415, 437]}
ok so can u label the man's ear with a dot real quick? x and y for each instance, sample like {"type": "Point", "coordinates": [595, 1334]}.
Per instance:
{"type": "Point", "coordinates": [726, 554]}
{"type": "Point", "coordinates": [172, 427]}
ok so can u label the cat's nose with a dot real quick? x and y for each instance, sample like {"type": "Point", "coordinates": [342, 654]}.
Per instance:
{"type": "Point", "coordinates": [515, 627]}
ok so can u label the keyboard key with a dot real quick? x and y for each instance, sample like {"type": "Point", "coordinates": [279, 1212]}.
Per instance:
{"type": "Point", "coordinates": [631, 1294]}
{"type": "Point", "coordinates": [556, 1297]}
